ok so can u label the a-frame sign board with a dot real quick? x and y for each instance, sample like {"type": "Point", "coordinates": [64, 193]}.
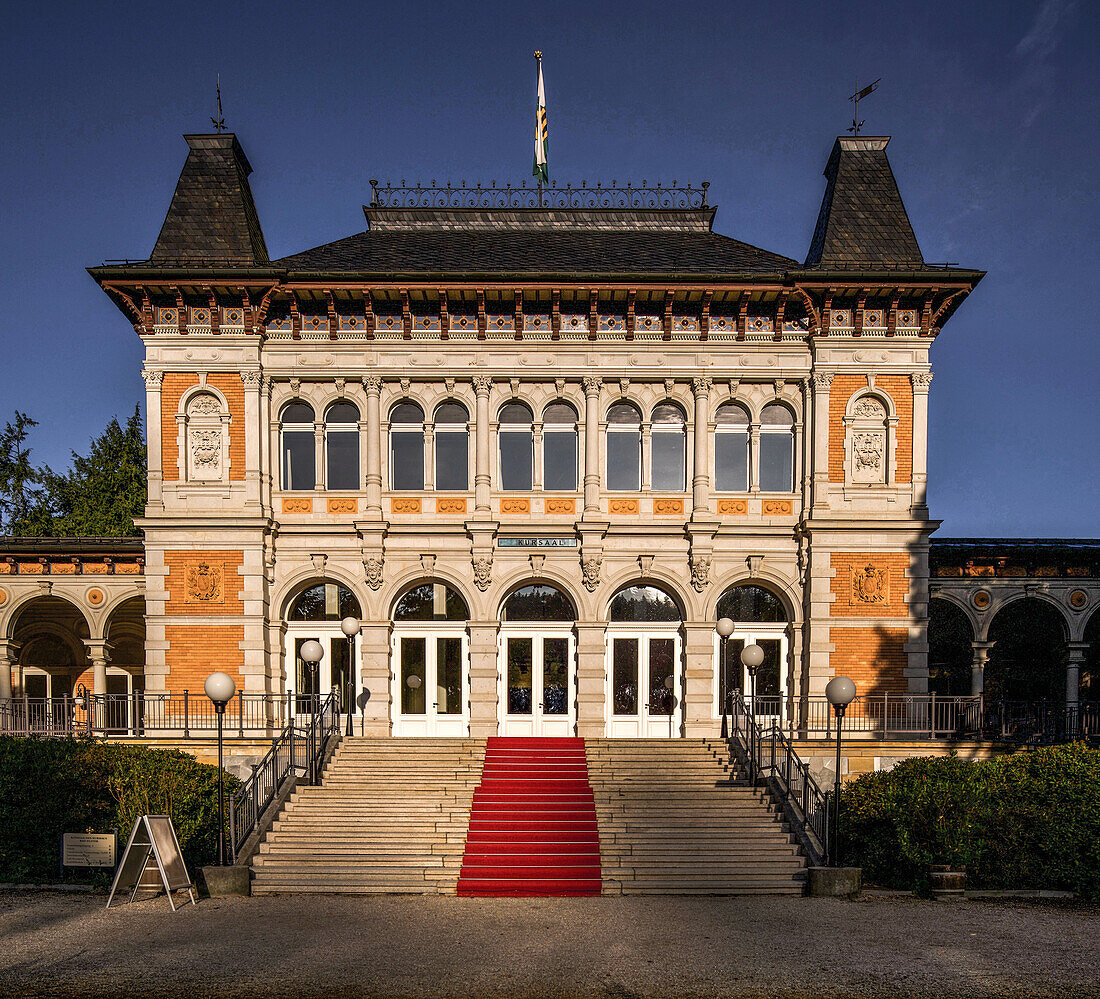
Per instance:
{"type": "Point", "coordinates": [152, 846]}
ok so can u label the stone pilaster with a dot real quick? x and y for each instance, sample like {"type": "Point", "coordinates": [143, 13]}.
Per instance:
{"type": "Point", "coordinates": [254, 435]}
{"type": "Point", "coordinates": [374, 675]}
{"type": "Point", "coordinates": [819, 427]}
{"type": "Point", "coordinates": [483, 678]}
{"type": "Point", "coordinates": [921, 382]}
{"type": "Point", "coordinates": [155, 457]}
{"type": "Point", "coordinates": [1075, 659]}
{"type": "Point", "coordinates": [9, 653]}
{"type": "Point", "coordinates": [697, 690]}
{"type": "Point", "coordinates": [591, 679]}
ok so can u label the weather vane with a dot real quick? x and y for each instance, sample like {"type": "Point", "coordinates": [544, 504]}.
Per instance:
{"type": "Point", "coordinates": [219, 122]}
{"type": "Point", "coordinates": [857, 124]}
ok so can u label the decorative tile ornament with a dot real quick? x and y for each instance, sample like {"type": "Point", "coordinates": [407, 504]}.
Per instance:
{"type": "Point", "coordinates": [907, 318]}
{"type": "Point", "coordinates": [204, 583]}
{"type": "Point", "coordinates": [841, 317]}
{"type": "Point", "coordinates": [624, 506]}
{"type": "Point", "coordinates": [668, 507]}
{"type": "Point", "coordinates": [873, 318]}
{"type": "Point", "coordinates": [95, 596]}
{"type": "Point", "coordinates": [353, 323]}
{"type": "Point", "coordinates": [503, 323]}
{"type": "Point", "coordinates": [405, 504]}
{"type": "Point", "coordinates": [450, 505]}
{"type": "Point", "coordinates": [343, 504]}
{"type": "Point", "coordinates": [200, 317]}
{"type": "Point", "coordinates": [429, 324]}
{"type": "Point", "coordinates": [870, 584]}
{"type": "Point", "coordinates": [300, 504]}
{"type": "Point", "coordinates": [574, 323]}
{"type": "Point", "coordinates": [536, 323]}
{"type": "Point", "coordinates": [463, 323]}
{"type": "Point", "coordinates": [1078, 599]}
{"type": "Point", "coordinates": [233, 317]}
{"type": "Point", "coordinates": [647, 323]}
{"type": "Point", "coordinates": [167, 317]}
{"type": "Point", "coordinates": [981, 599]}
{"type": "Point", "coordinates": [559, 505]}
{"type": "Point", "coordinates": [686, 324]}
{"type": "Point", "coordinates": [515, 504]}
{"type": "Point", "coordinates": [721, 324]}
{"type": "Point", "coordinates": [612, 324]}
{"type": "Point", "coordinates": [735, 507]}
{"type": "Point", "coordinates": [279, 324]}
{"type": "Point", "coordinates": [777, 508]}
{"type": "Point", "coordinates": [760, 324]}
{"type": "Point", "coordinates": [314, 322]}
{"type": "Point", "coordinates": [389, 322]}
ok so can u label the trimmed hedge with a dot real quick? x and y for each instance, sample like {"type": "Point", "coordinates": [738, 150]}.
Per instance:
{"type": "Point", "coordinates": [1030, 820]}
{"type": "Point", "coordinates": [51, 786]}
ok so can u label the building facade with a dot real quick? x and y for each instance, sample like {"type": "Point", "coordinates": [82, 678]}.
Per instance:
{"type": "Point", "coordinates": [536, 442]}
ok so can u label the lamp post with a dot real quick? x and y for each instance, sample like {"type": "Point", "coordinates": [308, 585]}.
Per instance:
{"type": "Point", "coordinates": [350, 627]}
{"type": "Point", "coordinates": [751, 658]}
{"type": "Point", "coordinates": [311, 653]}
{"type": "Point", "coordinates": [220, 688]}
{"type": "Point", "coordinates": [724, 629]}
{"type": "Point", "coordinates": [840, 691]}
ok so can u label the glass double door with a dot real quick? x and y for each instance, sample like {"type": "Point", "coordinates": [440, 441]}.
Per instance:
{"type": "Point", "coordinates": [428, 680]}
{"type": "Point", "coordinates": [538, 688]}
{"type": "Point", "coordinates": [309, 684]}
{"type": "Point", "coordinates": [644, 677]}
{"type": "Point", "coordinates": [771, 694]}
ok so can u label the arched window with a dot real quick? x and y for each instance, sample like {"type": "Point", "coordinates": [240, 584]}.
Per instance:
{"type": "Point", "coordinates": [624, 447]}
{"type": "Point", "coordinates": [407, 446]}
{"type": "Point", "coordinates": [452, 447]}
{"type": "Point", "coordinates": [559, 447]}
{"type": "Point", "coordinates": [759, 619]}
{"type": "Point", "coordinates": [324, 602]}
{"type": "Point", "coordinates": [296, 430]}
{"type": "Point", "coordinates": [538, 602]}
{"type": "Point", "coordinates": [776, 449]}
{"type": "Point", "coordinates": [431, 602]}
{"type": "Point", "coordinates": [515, 438]}
{"type": "Point", "coordinates": [342, 446]}
{"type": "Point", "coordinates": [669, 435]}
{"type": "Point", "coordinates": [749, 603]}
{"type": "Point", "coordinates": [731, 448]}
{"type": "Point", "coordinates": [642, 604]}
{"type": "Point", "coordinates": [867, 441]}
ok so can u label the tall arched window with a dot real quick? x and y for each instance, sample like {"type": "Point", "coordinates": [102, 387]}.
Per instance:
{"type": "Point", "coordinates": [731, 448]}
{"type": "Point", "coordinates": [669, 442]}
{"type": "Point", "coordinates": [624, 447]}
{"type": "Point", "coordinates": [296, 431]}
{"type": "Point", "coordinates": [538, 602]}
{"type": "Point", "coordinates": [776, 449]}
{"type": "Point", "coordinates": [452, 446]}
{"type": "Point", "coordinates": [407, 446]}
{"type": "Point", "coordinates": [342, 446]}
{"type": "Point", "coordinates": [559, 447]}
{"type": "Point", "coordinates": [515, 438]}
{"type": "Point", "coordinates": [431, 602]}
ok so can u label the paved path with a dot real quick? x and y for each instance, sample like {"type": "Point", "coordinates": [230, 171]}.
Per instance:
{"type": "Point", "coordinates": [54, 944]}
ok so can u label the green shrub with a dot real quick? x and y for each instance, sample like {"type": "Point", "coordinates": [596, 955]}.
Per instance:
{"type": "Point", "coordinates": [1031, 820]}
{"type": "Point", "coordinates": [51, 786]}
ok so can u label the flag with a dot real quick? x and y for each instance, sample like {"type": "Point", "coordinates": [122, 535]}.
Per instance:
{"type": "Point", "coordinates": [541, 168]}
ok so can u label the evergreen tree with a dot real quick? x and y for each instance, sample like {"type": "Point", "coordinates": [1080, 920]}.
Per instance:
{"type": "Point", "coordinates": [23, 500]}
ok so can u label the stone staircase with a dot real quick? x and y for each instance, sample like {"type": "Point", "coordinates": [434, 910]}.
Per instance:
{"type": "Point", "coordinates": [390, 816]}
{"type": "Point", "coordinates": [674, 820]}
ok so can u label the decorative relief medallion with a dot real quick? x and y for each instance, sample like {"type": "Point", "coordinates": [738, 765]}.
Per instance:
{"type": "Point", "coordinates": [372, 569]}
{"type": "Point", "coordinates": [868, 448]}
{"type": "Point", "coordinates": [204, 404]}
{"type": "Point", "coordinates": [343, 504]}
{"type": "Point", "coordinates": [204, 583]}
{"type": "Point", "coordinates": [668, 507]}
{"type": "Point", "coordinates": [450, 504]}
{"type": "Point", "coordinates": [870, 584]}
{"type": "Point", "coordinates": [559, 505]}
{"type": "Point", "coordinates": [870, 409]}
{"type": "Point", "coordinates": [1077, 599]}
{"type": "Point", "coordinates": [405, 504]}
{"type": "Point", "coordinates": [95, 596]}
{"type": "Point", "coordinates": [298, 505]}
{"type": "Point", "coordinates": [515, 504]}
{"type": "Point", "coordinates": [700, 573]}
{"type": "Point", "coordinates": [591, 567]}
{"type": "Point", "coordinates": [206, 449]}
{"type": "Point", "coordinates": [777, 508]}
{"type": "Point", "coordinates": [623, 506]}
{"type": "Point", "coordinates": [981, 599]}
{"type": "Point", "coordinates": [3, 596]}
{"type": "Point", "coordinates": [483, 572]}
{"type": "Point", "coordinates": [733, 506]}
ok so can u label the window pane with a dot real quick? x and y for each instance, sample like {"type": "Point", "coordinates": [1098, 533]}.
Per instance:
{"type": "Point", "coordinates": [451, 412]}
{"type": "Point", "coordinates": [519, 676]}
{"type": "Point", "coordinates": [661, 667]}
{"type": "Point", "coordinates": [776, 416]}
{"type": "Point", "coordinates": [775, 462]}
{"type": "Point", "coordinates": [623, 412]}
{"type": "Point", "coordinates": [749, 602]}
{"type": "Point", "coordinates": [431, 602]}
{"type": "Point", "coordinates": [342, 412]}
{"type": "Point", "coordinates": [643, 603]}
{"type": "Point", "coordinates": [343, 459]}
{"type": "Point", "coordinates": [451, 460]}
{"type": "Point", "coordinates": [539, 602]}
{"type": "Point", "coordinates": [407, 460]}
{"type": "Point", "coordinates": [669, 412]}
{"type": "Point", "coordinates": [559, 461]}
{"type": "Point", "coordinates": [731, 462]}
{"type": "Point", "coordinates": [555, 676]}
{"type": "Point", "coordinates": [412, 676]}
{"type": "Point", "coordinates": [298, 460]}
{"type": "Point", "coordinates": [624, 452]}
{"type": "Point", "coordinates": [558, 413]}
{"type": "Point", "coordinates": [515, 459]}
{"type": "Point", "coordinates": [624, 676]}
{"type": "Point", "coordinates": [407, 412]}
{"type": "Point", "coordinates": [338, 670]}
{"type": "Point", "coordinates": [297, 412]}
{"type": "Point", "coordinates": [448, 667]}
{"type": "Point", "coordinates": [731, 413]}
{"type": "Point", "coordinates": [515, 413]}
{"type": "Point", "coordinates": [668, 461]}
{"type": "Point", "coordinates": [768, 690]}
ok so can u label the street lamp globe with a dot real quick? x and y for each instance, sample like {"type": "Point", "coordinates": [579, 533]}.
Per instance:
{"type": "Point", "coordinates": [413, 682]}
{"type": "Point", "coordinates": [840, 691]}
{"type": "Point", "coordinates": [220, 688]}
{"type": "Point", "coordinates": [350, 627]}
{"type": "Point", "coordinates": [312, 651]}
{"type": "Point", "coordinates": [752, 656]}
{"type": "Point", "coordinates": [725, 627]}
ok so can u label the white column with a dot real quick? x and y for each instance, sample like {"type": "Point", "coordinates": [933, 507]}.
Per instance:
{"type": "Point", "coordinates": [483, 384]}
{"type": "Point", "coordinates": [592, 444]}
{"type": "Point", "coordinates": [155, 458]}
{"type": "Point", "coordinates": [373, 434]}
{"type": "Point", "coordinates": [819, 430]}
{"type": "Point", "coordinates": [1075, 658]}
{"type": "Point", "coordinates": [9, 652]}
{"type": "Point", "coordinates": [319, 455]}
{"type": "Point", "coordinates": [920, 382]}
{"type": "Point", "coordinates": [981, 652]}
{"type": "Point", "coordinates": [754, 457]}
{"type": "Point", "coordinates": [700, 482]}
{"type": "Point", "coordinates": [803, 445]}
{"type": "Point", "coordinates": [254, 429]}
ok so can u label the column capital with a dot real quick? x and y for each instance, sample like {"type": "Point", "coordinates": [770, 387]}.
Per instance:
{"type": "Point", "coordinates": [592, 385]}
{"type": "Point", "coordinates": [822, 380]}
{"type": "Point", "coordinates": [373, 384]}
{"type": "Point", "coordinates": [483, 384]}
{"type": "Point", "coordinates": [702, 385]}
{"type": "Point", "coordinates": [920, 380]}
{"type": "Point", "coordinates": [253, 379]}
{"type": "Point", "coordinates": [152, 378]}
{"type": "Point", "coordinates": [98, 649]}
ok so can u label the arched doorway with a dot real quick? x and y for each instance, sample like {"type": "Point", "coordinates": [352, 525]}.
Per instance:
{"type": "Point", "coordinates": [1028, 658]}
{"type": "Point", "coordinates": [759, 618]}
{"type": "Point", "coordinates": [950, 649]}
{"type": "Point", "coordinates": [429, 676]}
{"type": "Point", "coordinates": [126, 669]}
{"type": "Point", "coordinates": [315, 615]}
{"type": "Point", "coordinates": [644, 664]}
{"type": "Point", "coordinates": [537, 650]}
{"type": "Point", "coordinates": [51, 633]}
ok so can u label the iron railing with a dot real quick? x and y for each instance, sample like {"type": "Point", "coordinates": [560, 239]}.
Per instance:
{"type": "Point", "coordinates": [504, 196]}
{"type": "Point", "coordinates": [770, 759]}
{"type": "Point", "coordinates": [298, 751]}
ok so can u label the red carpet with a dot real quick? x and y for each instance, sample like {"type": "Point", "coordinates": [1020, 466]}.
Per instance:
{"type": "Point", "coordinates": [533, 822]}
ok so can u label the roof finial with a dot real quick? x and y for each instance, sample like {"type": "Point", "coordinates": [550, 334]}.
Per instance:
{"type": "Point", "coordinates": [857, 124]}
{"type": "Point", "coordinates": [219, 122]}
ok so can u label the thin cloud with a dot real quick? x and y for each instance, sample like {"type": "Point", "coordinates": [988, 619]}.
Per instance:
{"type": "Point", "coordinates": [1045, 32]}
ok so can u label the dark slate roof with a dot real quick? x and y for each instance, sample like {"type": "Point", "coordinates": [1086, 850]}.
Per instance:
{"type": "Point", "coordinates": [538, 251]}
{"type": "Point", "coordinates": [863, 222]}
{"type": "Point", "coordinates": [212, 218]}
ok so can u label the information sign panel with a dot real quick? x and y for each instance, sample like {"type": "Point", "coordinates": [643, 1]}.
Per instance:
{"type": "Point", "coordinates": [88, 850]}
{"type": "Point", "coordinates": [152, 846]}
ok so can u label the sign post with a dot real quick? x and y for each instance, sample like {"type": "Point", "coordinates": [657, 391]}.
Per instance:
{"type": "Point", "coordinates": [152, 846]}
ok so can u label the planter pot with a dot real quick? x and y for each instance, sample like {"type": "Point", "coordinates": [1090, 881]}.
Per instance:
{"type": "Point", "coordinates": [946, 883]}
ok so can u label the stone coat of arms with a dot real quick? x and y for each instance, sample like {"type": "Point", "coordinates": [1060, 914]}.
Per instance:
{"type": "Point", "coordinates": [871, 584]}
{"type": "Point", "coordinates": [204, 582]}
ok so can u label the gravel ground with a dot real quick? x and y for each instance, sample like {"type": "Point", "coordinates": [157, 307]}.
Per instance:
{"type": "Point", "coordinates": [54, 944]}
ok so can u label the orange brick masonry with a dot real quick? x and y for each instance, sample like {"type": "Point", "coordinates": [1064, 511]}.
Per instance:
{"type": "Point", "coordinates": [174, 384]}
{"type": "Point", "coordinates": [900, 390]}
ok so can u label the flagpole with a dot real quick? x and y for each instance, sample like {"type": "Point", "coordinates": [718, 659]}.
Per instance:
{"type": "Point", "coordinates": [540, 135]}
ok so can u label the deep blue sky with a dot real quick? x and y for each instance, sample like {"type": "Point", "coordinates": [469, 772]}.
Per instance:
{"type": "Point", "coordinates": [992, 108]}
